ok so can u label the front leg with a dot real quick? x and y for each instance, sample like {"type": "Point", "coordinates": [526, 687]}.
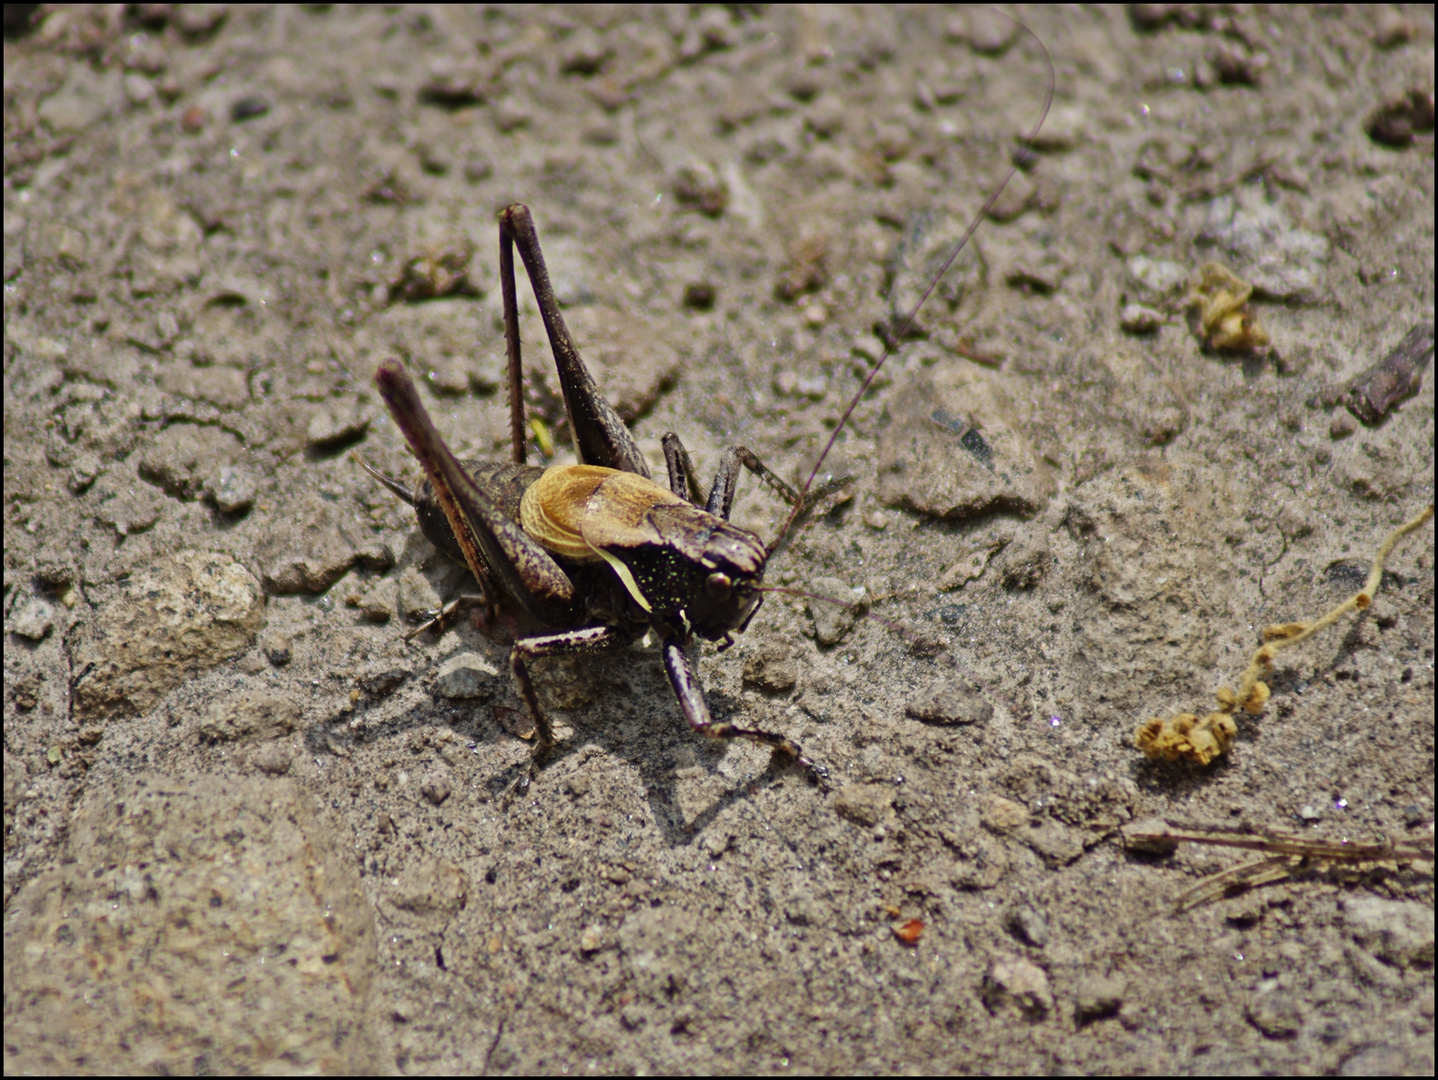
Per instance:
{"type": "Point", "coordinates": [696, 711]}
{"type": "Point", "coordinates": [682, 480]}
{"type": "Point", "coordinates": [726, 481]}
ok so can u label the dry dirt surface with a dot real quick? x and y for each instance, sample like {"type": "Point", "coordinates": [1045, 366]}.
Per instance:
{"type": "Point", "coordinates": [249, 827]}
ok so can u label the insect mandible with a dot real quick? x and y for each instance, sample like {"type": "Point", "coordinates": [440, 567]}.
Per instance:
{"type": "Point", "coordinates": [598, 552]}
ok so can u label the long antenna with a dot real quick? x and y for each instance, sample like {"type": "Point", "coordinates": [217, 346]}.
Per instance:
{"type": "Point", "coordinates": [905, 326]}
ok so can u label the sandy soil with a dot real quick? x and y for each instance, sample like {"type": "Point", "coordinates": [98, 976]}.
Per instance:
{"type": "Point", "coordinates": [249, 827]}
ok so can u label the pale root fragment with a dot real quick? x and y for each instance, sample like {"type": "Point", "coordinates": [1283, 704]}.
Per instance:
{"type": "Point", "coordinates": [1283, 854]}
{"type": "Point", "coordinates": [1189, 737]}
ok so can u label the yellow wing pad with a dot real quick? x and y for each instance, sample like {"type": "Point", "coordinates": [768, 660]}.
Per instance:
{"type": "Point", "coordinates": [586, 513]}
{"type": "Point", "coordinates": [575, 510]}
{"type": "Point", "coordinates": [554, 506]}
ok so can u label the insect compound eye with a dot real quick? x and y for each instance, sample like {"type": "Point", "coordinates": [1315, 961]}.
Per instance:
{"type": "Point", "coordinates": [718, 586]}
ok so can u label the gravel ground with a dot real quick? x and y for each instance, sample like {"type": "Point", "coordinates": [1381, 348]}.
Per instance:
{"type": "Point", "coordinates": [248, 826]}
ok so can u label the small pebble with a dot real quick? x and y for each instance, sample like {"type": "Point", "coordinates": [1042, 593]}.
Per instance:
{"type": "Point", "coordinates": [1138, 320]}
{"type": "Point", "coordinates": [435, 788]}
{"type": "Point", "coordinates": [35, 619]}
{"type": "Point", "coordinates": [233, 489]}
{"type": "Point", "coordinates": [949, 704]}
{"type": "Point", "coordinates": [465, 675]}
{"type": "Point", "coordinates": [248, 108]}
{"type": "Point", "coordinates": [193, 120]}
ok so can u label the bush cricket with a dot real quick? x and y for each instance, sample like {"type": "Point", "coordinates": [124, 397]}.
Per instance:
{"type": "Point", "coordinates": [598, 553]}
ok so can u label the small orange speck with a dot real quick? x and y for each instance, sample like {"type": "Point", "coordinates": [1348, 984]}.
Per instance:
{"type": "Point", "coordinates": [910, 931]}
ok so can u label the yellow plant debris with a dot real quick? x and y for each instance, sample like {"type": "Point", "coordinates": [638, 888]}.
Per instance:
{"type": "Point", "coordinates": [1201, 739]}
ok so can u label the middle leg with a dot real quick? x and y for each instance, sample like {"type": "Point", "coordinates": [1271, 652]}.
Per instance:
{"type": "Point", "coordinates": [590, 639]}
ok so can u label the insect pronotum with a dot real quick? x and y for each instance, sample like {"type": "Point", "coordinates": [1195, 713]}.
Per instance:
{"type": "Point", "coordinates": [598, 554]}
